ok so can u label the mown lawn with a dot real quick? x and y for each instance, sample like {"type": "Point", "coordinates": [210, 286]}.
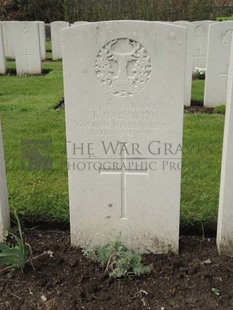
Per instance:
{"type": "Point", "coordinates": [27, 112]}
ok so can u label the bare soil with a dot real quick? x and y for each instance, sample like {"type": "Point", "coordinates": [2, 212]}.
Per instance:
{"type": "Point", "coordinates": [198, 109]}
{"type": "Point", "coordinates": [197, 278]}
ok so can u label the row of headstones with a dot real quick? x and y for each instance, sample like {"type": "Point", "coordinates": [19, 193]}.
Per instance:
{"type": "Point", "coordinates": [26, 43]}
{"type": "Point", "coordinates": [208, 46]}
{"type": "Point", "coordinates": [124, 92]}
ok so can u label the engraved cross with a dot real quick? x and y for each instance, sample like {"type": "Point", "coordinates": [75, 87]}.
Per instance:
{"type": "Point", "coordinates": [225, 75]}
{"type": "Point", "coordinates": [27, 54]}
{"type": "Point", "coordinates": [123, 172]}
{"type": "Point", "coordinates": [198, 57]}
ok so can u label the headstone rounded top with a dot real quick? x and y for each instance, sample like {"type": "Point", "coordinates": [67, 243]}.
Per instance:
{"type": "Point", "coordinates": [123, 67]}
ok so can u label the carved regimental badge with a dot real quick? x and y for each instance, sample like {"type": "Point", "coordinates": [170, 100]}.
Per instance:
{"type": "Point", "coordinates": [123, 67]}
{"type": "Point", "coordinates": [200, 31]}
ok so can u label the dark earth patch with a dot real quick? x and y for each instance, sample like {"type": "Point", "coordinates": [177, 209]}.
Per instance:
{"type": "Point", "coordinates": [12, 72]}
{"type": "Point", "coordinates": [198, 109]}
{"type": "Point", "coordinates": [196, 279]}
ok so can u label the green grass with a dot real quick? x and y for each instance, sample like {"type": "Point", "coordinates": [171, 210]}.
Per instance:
{"type": "Point", "coordinates": [203, 136]}
{"type": "Point", "coordinates": [198, 87]}
{"type": "Point", "coordinates": [26, 109]}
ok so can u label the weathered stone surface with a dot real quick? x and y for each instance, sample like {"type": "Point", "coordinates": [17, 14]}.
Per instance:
{"type": "Point", "coordinates": [200, 42]}
{"type": "Point", "coordinates": [189, 59]}
{"type": "Point", "coordinates": [56, 28]}
{"type": "Point", "coordinates": [8, 38]}
{"type": "Point", "coordinates": [42, 39]}
{"type": "Point", "coordinates": [219, 46]}
{"type": "Point", "coordinates": [27, 48]}
{"type": "Point", "coordinates": [124, 94]}
{"type": "Point", "coordinates": [2, 53]}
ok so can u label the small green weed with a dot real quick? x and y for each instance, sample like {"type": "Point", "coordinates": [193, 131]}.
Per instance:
{"type": "Point", "coordinates": [215, 291]}
{"type": "Point", "coordinates": [117, 259]}
{"type": "Point", "coordinates": [14, 256]}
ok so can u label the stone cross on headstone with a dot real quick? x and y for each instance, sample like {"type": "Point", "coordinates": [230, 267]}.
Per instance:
{"type": "Point", "coordinates": [123, 85]}
{"type": "Point", "coordinates": [27, 55]}
{"type": "Point", "coordinates": [200, 57]}
{"type": "Point", "coordinates": [123, 172]}
{"type": "Point", "coordinates": [4, 209]}
{"type": "Point", "coordinates": [225, 75]}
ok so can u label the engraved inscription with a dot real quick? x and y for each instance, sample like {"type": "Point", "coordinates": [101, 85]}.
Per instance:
{"type": "Point", "coordinates": [123, 67]}
{"type": "Point", "coordinates": [226, 37]}
{"type": "Point", "coordinates": [123, 121]}
{"type": "Point", "coordinates": [25, 29]}
{"type": "Point", "coordinates": [200, 31]}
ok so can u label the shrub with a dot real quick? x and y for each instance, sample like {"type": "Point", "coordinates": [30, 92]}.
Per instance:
{"type": "Point", "coordinates": [117, 259]}
{"type": "Point", "coordinates": [15, 255]}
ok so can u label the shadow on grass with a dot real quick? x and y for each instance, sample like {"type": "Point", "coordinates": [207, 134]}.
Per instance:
{"type": "Point", "coordinates": [12, 72]}
{"type": "Point", "coordinates": [198, 103]}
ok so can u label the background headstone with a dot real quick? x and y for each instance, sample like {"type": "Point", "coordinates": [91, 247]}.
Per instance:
{"type": "Point", "coordinates": [189, 50]}
{"type": "Point", "coordinates": [42, 39]}
{"type": "Point", "coordinates": [200, 41]}
{"type": "Point", "coordinates": [80, 22]}
{"type": "Point", "coordinates": [124, 85]}
{"type": "Point", "coordinates": [56, 28]}
{"type": "Point", "coordinates": [27, 48]}
{"type": "Point", "coordinates": [4, 210]}
{"type": "Point", "coordinates": [225, 213]}
{"type": "Point", "coordinates": [219, 45]}
{"type": "Point", "coordinates": [2, 53]}
{"type": "Point", "coordinates": [8, 38]}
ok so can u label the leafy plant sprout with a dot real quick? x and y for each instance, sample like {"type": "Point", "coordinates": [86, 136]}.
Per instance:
{"type": "Point", "coordinates": [117, 259]}
{"type": "Point", "coordinates": [15, 255]}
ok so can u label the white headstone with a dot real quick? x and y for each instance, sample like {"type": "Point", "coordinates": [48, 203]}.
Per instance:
{"type": "Point", "coordinates": [2, 53]}
{"type": "Point", "coordinates": [77, 23]}
{"type": "Point", "coordinates": [42, 39]}
{"type": "Point", "coordinates": [80, 22]}
{"type": "Point", "coordinates": [4, 210]}
{"type": "Point", "coordinates": [124, 88]}
{"type": "Point", "coordinates": [56, 28]}
{"type": "Point", "coordinates": [8, 38]}
{"type": "Point", "coordinates": [189, 51]}
{"type": "Point", "coordinates": [225, 213]}
{"type": "Point", "coordinates": [200, 41]}
{"type": "Point", "coordinates": [27, 48]}
{"type": "Point", "coordinates": [219, 45]}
